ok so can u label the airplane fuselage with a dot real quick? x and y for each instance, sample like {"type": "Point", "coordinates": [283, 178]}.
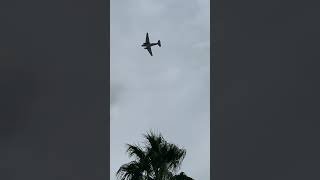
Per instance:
{"type": "Point", "coordinates": [146, 45]}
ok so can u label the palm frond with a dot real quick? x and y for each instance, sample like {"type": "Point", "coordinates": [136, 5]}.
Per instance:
{"type": "Point", "coordinates": [130, 171]}
{"type": "Point", "coordinates": [136, 151]}
{"type": "Point", "coordinates": [175, 156]}
{"type": "Point", "coordinates": [181, 176]}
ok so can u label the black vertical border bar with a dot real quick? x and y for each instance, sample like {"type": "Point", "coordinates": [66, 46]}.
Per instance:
{"type": "Point", "coordinates": [216, 86]}
{"type": "Point", "coordinates": [107, 5]}
{"type": "Point", "coordinates": [16, 40]}
{"type": "Point", "coordinates": [103, 171]}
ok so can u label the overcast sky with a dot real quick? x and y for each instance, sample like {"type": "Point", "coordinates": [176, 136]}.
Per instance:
{"type": "Point", "coordinates": [168, 92]}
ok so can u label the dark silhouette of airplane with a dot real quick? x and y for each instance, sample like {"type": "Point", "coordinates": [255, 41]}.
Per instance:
{"type": "Point", "coordinates": [147, 45]}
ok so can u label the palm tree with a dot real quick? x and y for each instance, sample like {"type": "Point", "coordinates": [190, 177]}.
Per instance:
{"type": "Point", "coordinates": [157, 160]}
{"type": "Point", "coordinates": [181, 176]}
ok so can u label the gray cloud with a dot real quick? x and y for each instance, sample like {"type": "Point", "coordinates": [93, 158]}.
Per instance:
{"type": "Point", "coordinates": [168, 92]}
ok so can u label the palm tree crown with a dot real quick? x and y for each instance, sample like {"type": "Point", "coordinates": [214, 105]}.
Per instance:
{"type": "Point", "coordinates": [156, 160]}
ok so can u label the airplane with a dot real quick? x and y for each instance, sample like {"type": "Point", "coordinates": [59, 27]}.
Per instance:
{"type": "Point", "coordinates": [147, 45]}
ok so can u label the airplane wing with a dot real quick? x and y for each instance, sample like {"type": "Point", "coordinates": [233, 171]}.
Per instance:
{"type": "Point", "coordinates": [147, 39]}
{"type": "Point", "coordinates": [149, 49]}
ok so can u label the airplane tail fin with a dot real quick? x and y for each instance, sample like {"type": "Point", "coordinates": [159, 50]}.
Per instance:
{"type": "Point", "coordinates": [159, 43]}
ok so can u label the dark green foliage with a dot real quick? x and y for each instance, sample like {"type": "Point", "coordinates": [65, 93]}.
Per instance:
{"type": "Point", "coordinates": [157, 160]}
{"type": "Point", "coordinates": [181, 176]}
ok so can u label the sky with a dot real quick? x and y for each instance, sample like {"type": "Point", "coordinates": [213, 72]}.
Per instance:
{"type": "Point", "coordinates": [168, 92]}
